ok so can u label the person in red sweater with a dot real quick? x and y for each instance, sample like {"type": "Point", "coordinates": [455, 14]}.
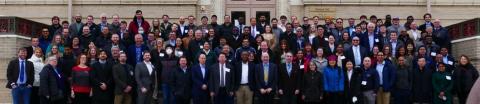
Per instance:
{"type": "Point", "coordinates": [81, 90]}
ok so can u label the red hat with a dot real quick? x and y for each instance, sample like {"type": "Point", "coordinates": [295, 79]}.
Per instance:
{"type": "Point", "coordinates": [332, 58]}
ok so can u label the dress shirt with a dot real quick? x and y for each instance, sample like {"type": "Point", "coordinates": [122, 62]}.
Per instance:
{"type": "Point", "coordinates": [350, 72]}
{"type": "Point", "coordinates": [149, 67]}
{"type": "Point", "coordinates": [244, 79]}
{"type": "Point", "coordinates": [356, 55]}
{"type": "Point", "coordinates": [371, 40]}
{"type": "Point", "coordinates": [380, 71]}
{"type": "Point", "coordinates": [202, 68]}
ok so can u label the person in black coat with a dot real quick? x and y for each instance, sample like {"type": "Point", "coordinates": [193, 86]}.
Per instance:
{"type": "Point", "coordinates": [221, 89]}
{"type": "Point", "coordinates": [123, 76]}
{"type": "Point", "coordinates": [102, 80]}
{"type": "Point", "coordinates": [353, 88]}
{"type": "Point", "coordinates": [312, 85]}
{"type": "Point", "coordinates": [182, 83]}
{"type": "Point", "coordinates": [290, 77]}
{"type": "Point", "coordinates": [464, 77]}
{"type": "Point", "coordinates": [266, 79]}
{"type": "Point", "coordinates": [199, 81]}
{"type": "Point", "coordinates": [52, 84]}
{"type": "Point", "coordinates": [422, 88]}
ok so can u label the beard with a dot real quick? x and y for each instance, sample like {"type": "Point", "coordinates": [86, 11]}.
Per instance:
{"type": "Point", "coordinates": [78, 20]}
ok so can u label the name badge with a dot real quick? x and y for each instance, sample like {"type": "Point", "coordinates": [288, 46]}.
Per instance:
{"type": "Point", "coordinates": [161, 55]}
{"type": "Point", "coordinates": [364, 83]}
{"type": "Point", "coordinates": [227, 70]}
{"type": "Point", "coordinates": [180, 53]}
{"type": "Point", "coordinates": [302, 66]}
{"type": "Point", "coordinates": [326, 39]}
{"type": "Point", "coordinates": [256, 32]}
{"type": "Point", "coordinates": [450, 63]}
{"type": "Point", "coordinates": [354, 99]}
{"type": "Point", "coordinates": [206, 31]}
{"type": "Point", "coordinates": [186, 31]}
{"type": "Point", "coordinates": [448, 77]}
{"type": "Point", "coordinates": [433, 54]}
{"type": "Point", "coordinates": [131, 73]}
{"type": "Point", "coordinates": [342, 57]}
{"type": "Point", "coordinates": [201, 47]}
{"type": "Point", "coordinates": [376, 40]}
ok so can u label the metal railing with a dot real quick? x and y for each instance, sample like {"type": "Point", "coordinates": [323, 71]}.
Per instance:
{"type": "Point", "coordinates": [464, 29]}
{"type": "Point", "coordinates": [20, 26]}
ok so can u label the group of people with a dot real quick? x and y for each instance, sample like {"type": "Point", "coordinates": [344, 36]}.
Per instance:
{"type": "Point", "coordinates": [377, 61]}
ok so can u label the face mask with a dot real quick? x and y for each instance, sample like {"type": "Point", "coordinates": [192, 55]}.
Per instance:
{"type": "Point", "coordinates": [169, 51]}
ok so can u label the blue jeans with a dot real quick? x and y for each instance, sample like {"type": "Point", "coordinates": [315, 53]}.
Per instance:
{"type": "Point", "coordinates": [168, 97]}
{"type": "Point", "coordinates": [21, 95]}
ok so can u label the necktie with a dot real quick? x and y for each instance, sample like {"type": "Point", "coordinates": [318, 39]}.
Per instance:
{"type": "Point", "coordinates": [22, 71]}
{"type": "Point", "coordinates": [253, 31]}
{"type": "Point", "coordinates": [265, 73]}
{"type": "Point", "coordinates": [289, 69]}
{"type": "Point", "coordinates": [222, 83]}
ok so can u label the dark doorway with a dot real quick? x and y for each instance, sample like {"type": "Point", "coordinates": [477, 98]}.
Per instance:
{"type": "Point", "coordinates": [236, 16]}
{"type": "Point", "coordinates": [263, 13]}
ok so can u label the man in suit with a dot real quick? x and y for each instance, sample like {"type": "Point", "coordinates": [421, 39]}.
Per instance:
{"type": "Point", "coordinates": [30, 49]}
{"type": "Point", "coordinates": [182, 84]}
{"type": "Point", "coordinates": [387, 73]}
{"type": "Point", "coordinates": [414, 33]}
{"type": "Point", "coordinates": [290, 80]}
{"type": "Point", "coordinates": [199, 81]}
{"type": "Point", "coordinates": [101, 80]}
{"type": "Point", "coordinates": [298, 41]}
{"type": "Point", "coordinates": [220, 81]}
{"type": "Point", "coordinates": [134, 52]}
{"type": "Point", "coordinates": [124, 80]}
{"type": "Point", "coordinates": [182, 28]}
{"type": "Point", "coordinates": [352, 84]}
{"type": "Point", "coordinates": [266, 80]}
{"type": "Point", "coordinates": [244, 79]}
{"type": "Point", "coordinates": [370, 38]}
{"type": "Point", "coordinates": [20, 77]}
{"type": "Point", "coordinates": [255, 29]}
{"type": "Point", "coordinates": [356, 53]}
{"type": "Point", "coordinates": [165, 26]}
{"type": "Point", "coordinates": [394, 43]}
{"type": "Point", "coordinates": [145, 76]}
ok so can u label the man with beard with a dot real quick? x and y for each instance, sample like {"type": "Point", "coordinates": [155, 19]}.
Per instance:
{"type": "Point", "coordinates": [102, 82]}
{"type": "Point", "coordinates": [76, 27]}
{"type": "Point", "coordinates": [263, 21]}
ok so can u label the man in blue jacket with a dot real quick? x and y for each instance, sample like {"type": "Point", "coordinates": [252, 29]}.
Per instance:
{"type": "Point", "coordinates": [386, 76]}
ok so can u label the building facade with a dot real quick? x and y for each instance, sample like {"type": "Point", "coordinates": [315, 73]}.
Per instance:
{"type": "Point", "coordinates": [450, 11]}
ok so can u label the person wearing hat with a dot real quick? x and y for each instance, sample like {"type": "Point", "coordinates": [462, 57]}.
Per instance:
{"type": "Point", "coordinates": [396, 27]}
{"type": "Point", "coordinates": [333, 82]}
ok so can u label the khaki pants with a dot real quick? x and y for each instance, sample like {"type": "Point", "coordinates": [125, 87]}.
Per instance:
{"type": "Point", "coordinates": [123, 99]}
{"type": "Point", "coordinates": [244, 95]}
{"type": "Point", "coordinates": [383, 97]}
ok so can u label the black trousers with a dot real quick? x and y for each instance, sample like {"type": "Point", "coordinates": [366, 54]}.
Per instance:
{"type": "Point", "coordinates": [334, 98]}
{"type": "Point", "coordinates": [81, 98]}
{"type": "Point", "coordinates": [265, 98]}
{"type": "Point", "coordinates": [288, 97]}
{"type": "Point", "coordinates": [34, 98]}
{"type": "Point", "coordinates": [223, 97]}
{"type": "Point", "coordinates": [45, 100]}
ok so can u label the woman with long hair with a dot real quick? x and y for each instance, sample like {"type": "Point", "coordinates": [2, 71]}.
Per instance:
{"type": "Point", "coordinates": [80, 82]}
{"type": "Point", "coordinates": [464, 77]}
{"type": "Point", "coordinates": [269, 37]}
